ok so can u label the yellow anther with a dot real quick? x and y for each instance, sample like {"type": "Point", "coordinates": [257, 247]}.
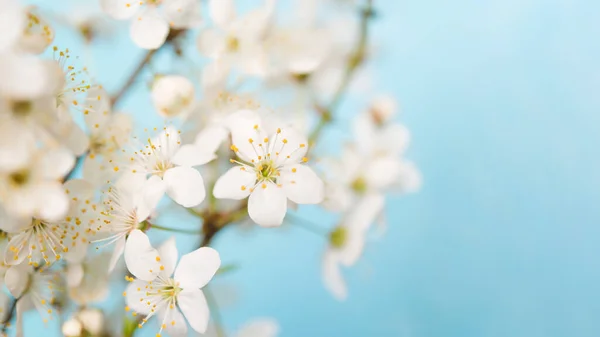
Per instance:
{"type": "Point", "coordinates": [304, 159]}
{"type": "Point", "coordinates": [264, 185]}
{"type": "Point", "coordinates": [243, 188]}
{"type": "Point", "coordinates": [284, 141]}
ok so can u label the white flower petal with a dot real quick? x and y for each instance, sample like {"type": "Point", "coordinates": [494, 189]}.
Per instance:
{"type": "Point", "coordinates": [193, 305]}
{"type": "Point", "coordinates": [211, 43]}
{"type": "Point", "coordinates": [267, 205]}
{"type": "Point", "coordinates": [214, 75]}
{"type": "Point", "coordinates": [77, 140]}
{"type": "Point", "coordinates": [301, 184]}
{"type": "Point", "coordinates": [149, 30]}
{"type": "Point", "coordinates": [185, 186]}
{"type": "Point", "coordinates": [290, 143]}
{"type": "Point", "coordinates": [174, 322]}
{"type": "Point", "coordinates": [96, 109]}
{"type": "Point", "coordinates": [120, 9]}
{"type": "Point", "coordinates": [262, 327]}
{"type": "Point", "coordinates": [168, 256]}
{"type": "Point", "coordinates": [74, 274]}
{"type": "Point", "coordinates": [17, 279]}
{"type": "Point", "coordinates": [211, 138]}
{"type": "Point", "coordinates": [382, 172]}
{"type": "Point", "coordinates": [140, 256]}
{"type": "Point", "coordinates": [247, 134]}
{"type": "Point", "coordinates": [197, 268]}
{"type": "Point", "coordinates": [56, 163]}
{"type": "Point", "coordinates": [135, 292]}
{"type": "Point", "coordinates": [353, 246]}
{"type": "Point", "coordinates": [332, 276]}
{"type": "Point", "coordinates": [222, 12]}
{"type": "Point", "coordinates": [365, 212]}
{"type": "Point", "coordinates": [234, 184]}
{"type": "Point", "coordinates": [50, 200]}
{"type": "Point", "coordinates": [168, 142]}
{"type": "Point", "coordinates": [149, 196]}
{"type": "Point", "coordinates": [173, 95]}
{"type": "Point", "coordinates": [182, 13]}
{"type": "Point", "coordinates": [192, 155]}
{"type": "Point", "coordinates": [12, 22]}
{"type": "Point", "coordinates": [116, 254]}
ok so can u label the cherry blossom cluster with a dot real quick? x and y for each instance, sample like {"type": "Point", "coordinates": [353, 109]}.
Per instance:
{"type": "Point", "coordinates": [240, 139]}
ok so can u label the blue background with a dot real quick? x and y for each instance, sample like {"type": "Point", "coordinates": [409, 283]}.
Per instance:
{"type": "Point", "coordinates": [502, 99]}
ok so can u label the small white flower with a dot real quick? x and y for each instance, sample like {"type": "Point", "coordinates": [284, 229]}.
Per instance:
{"type": "Point", "coordinates": [164, 289]}
{"type": "Point", "coordinates": [236, 40]}
{"type": "Point", "coordinates": [88, 280]}
{"type": "Point", "coordinates": [127, 205]}
{"type": "Point", "coordinates": [108, 133]}
{"type": "Point", "coordinates": [39, 239]}
{"type": "Point", "coordinates": [164, 158]}
{"type": "Point", "coordinates": [34, 289]}
{"type": "Point", "coordinates": [34, 189]}
{"type": "Point", "coordinates": [257, 327]}
{"type": "Point", "coordinates": [173, 96]}
{"type": "Point", "coordinates": [37, 35]}
{"type": "Point", "coordinates": [270, 170]}
{"type": "Point", "coordinates": [347, 242]}
{"type": "Point", "coordinates": [12, 23]}
{"type": "Point", "coordinates": [151, 18]}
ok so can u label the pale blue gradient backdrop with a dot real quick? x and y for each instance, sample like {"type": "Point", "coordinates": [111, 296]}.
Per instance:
{"type": "Point", "coordinates": [502, 99]}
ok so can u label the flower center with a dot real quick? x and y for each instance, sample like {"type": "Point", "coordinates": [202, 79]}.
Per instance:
{"type": "Point", "coordinates": [338, 237]}
{"type": "Point", "coordinates": [232, 44]}
{"type": "Point", "coordinates": [19, 178]}
{"type": "Point", "coordinates": [161, 167]}
{"type": "Point", "coordinates": [21, 108]}
{"type": "Point", "coordinates": [359, 185]}
{"type": "Point", "coordinates": [300, 77]}
{"type": "Point", "coordinates": [266, 170]}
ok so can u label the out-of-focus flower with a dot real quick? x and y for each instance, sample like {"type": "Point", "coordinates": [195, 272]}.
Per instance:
{"type": "Point", "coordinates": [12, 22]}
{"type": "Point", "coordinates": [257, 327]}
{"type": "Point", "coordinates": [162, 289]}
{"type": "Point", "coordinates": [88, 280]}
{"type": "Point", "coordinates": [347, 242]}
{"type": "Point", "coordinates": [34, 189]}
{"type": "Point", "coordinates": [33, 288]}
{"type": "Point", "coordinates": [151, 19]}
{"type": "Point", "coordinates": [269, 171]}
{"type": "Point", "coordinates": [37, 35]}
{"type": "Point", "coordinates": [173, 95]}
{"type": "Point", "coordinates": [236, 41]}
{"type": "Point", "coordinates": [39, 239]}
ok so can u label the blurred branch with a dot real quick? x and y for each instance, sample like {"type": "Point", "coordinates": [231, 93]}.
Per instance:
{"type": "Point", "coordinates": [133, 77]}
{"type": "Point", "coordinates": [9, 316]}
{"type": "Point", "coordinates": [355, 59]}
{"type": "Point", "coordinates": [171, 40]}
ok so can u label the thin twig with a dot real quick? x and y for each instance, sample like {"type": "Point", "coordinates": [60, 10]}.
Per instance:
{"type": "Point", "coordinates": [9, 317]}
{"type": "Point", "coordinates": [132, 78]}
{"type": "Point", "coordinates": [176, 230]}
{"type": "Point", "coordinates": [355, 59]}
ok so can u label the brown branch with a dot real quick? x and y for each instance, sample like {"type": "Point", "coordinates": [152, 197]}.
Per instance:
{"type": "Point", "coordinates": [133, 77]}
{"type": "Point", "coordinates": [9, 317]}
{"type": "Point", "coordinates": [355, 59]}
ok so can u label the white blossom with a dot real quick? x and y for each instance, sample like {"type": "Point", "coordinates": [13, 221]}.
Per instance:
{"type": "Point", "coordinates": [347, 243]}
{"type": "Point", "coordinates": [269, 170]}
{"type": "Point", "coordinates": [166, 288]}
{"type": "Point", "coordinates": [151, 19]}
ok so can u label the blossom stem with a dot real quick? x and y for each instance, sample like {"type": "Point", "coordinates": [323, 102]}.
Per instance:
{"type": "Point", "coordinates": [9, 316]}
{"type": "Point", "coordinates": [307, 225]}
{"type": "Point", "coordinates": [354, 61]}
{"type": "Point", "coordinates": [176, 230]}
{"type": "Point", "coordinates": [214, 309]}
